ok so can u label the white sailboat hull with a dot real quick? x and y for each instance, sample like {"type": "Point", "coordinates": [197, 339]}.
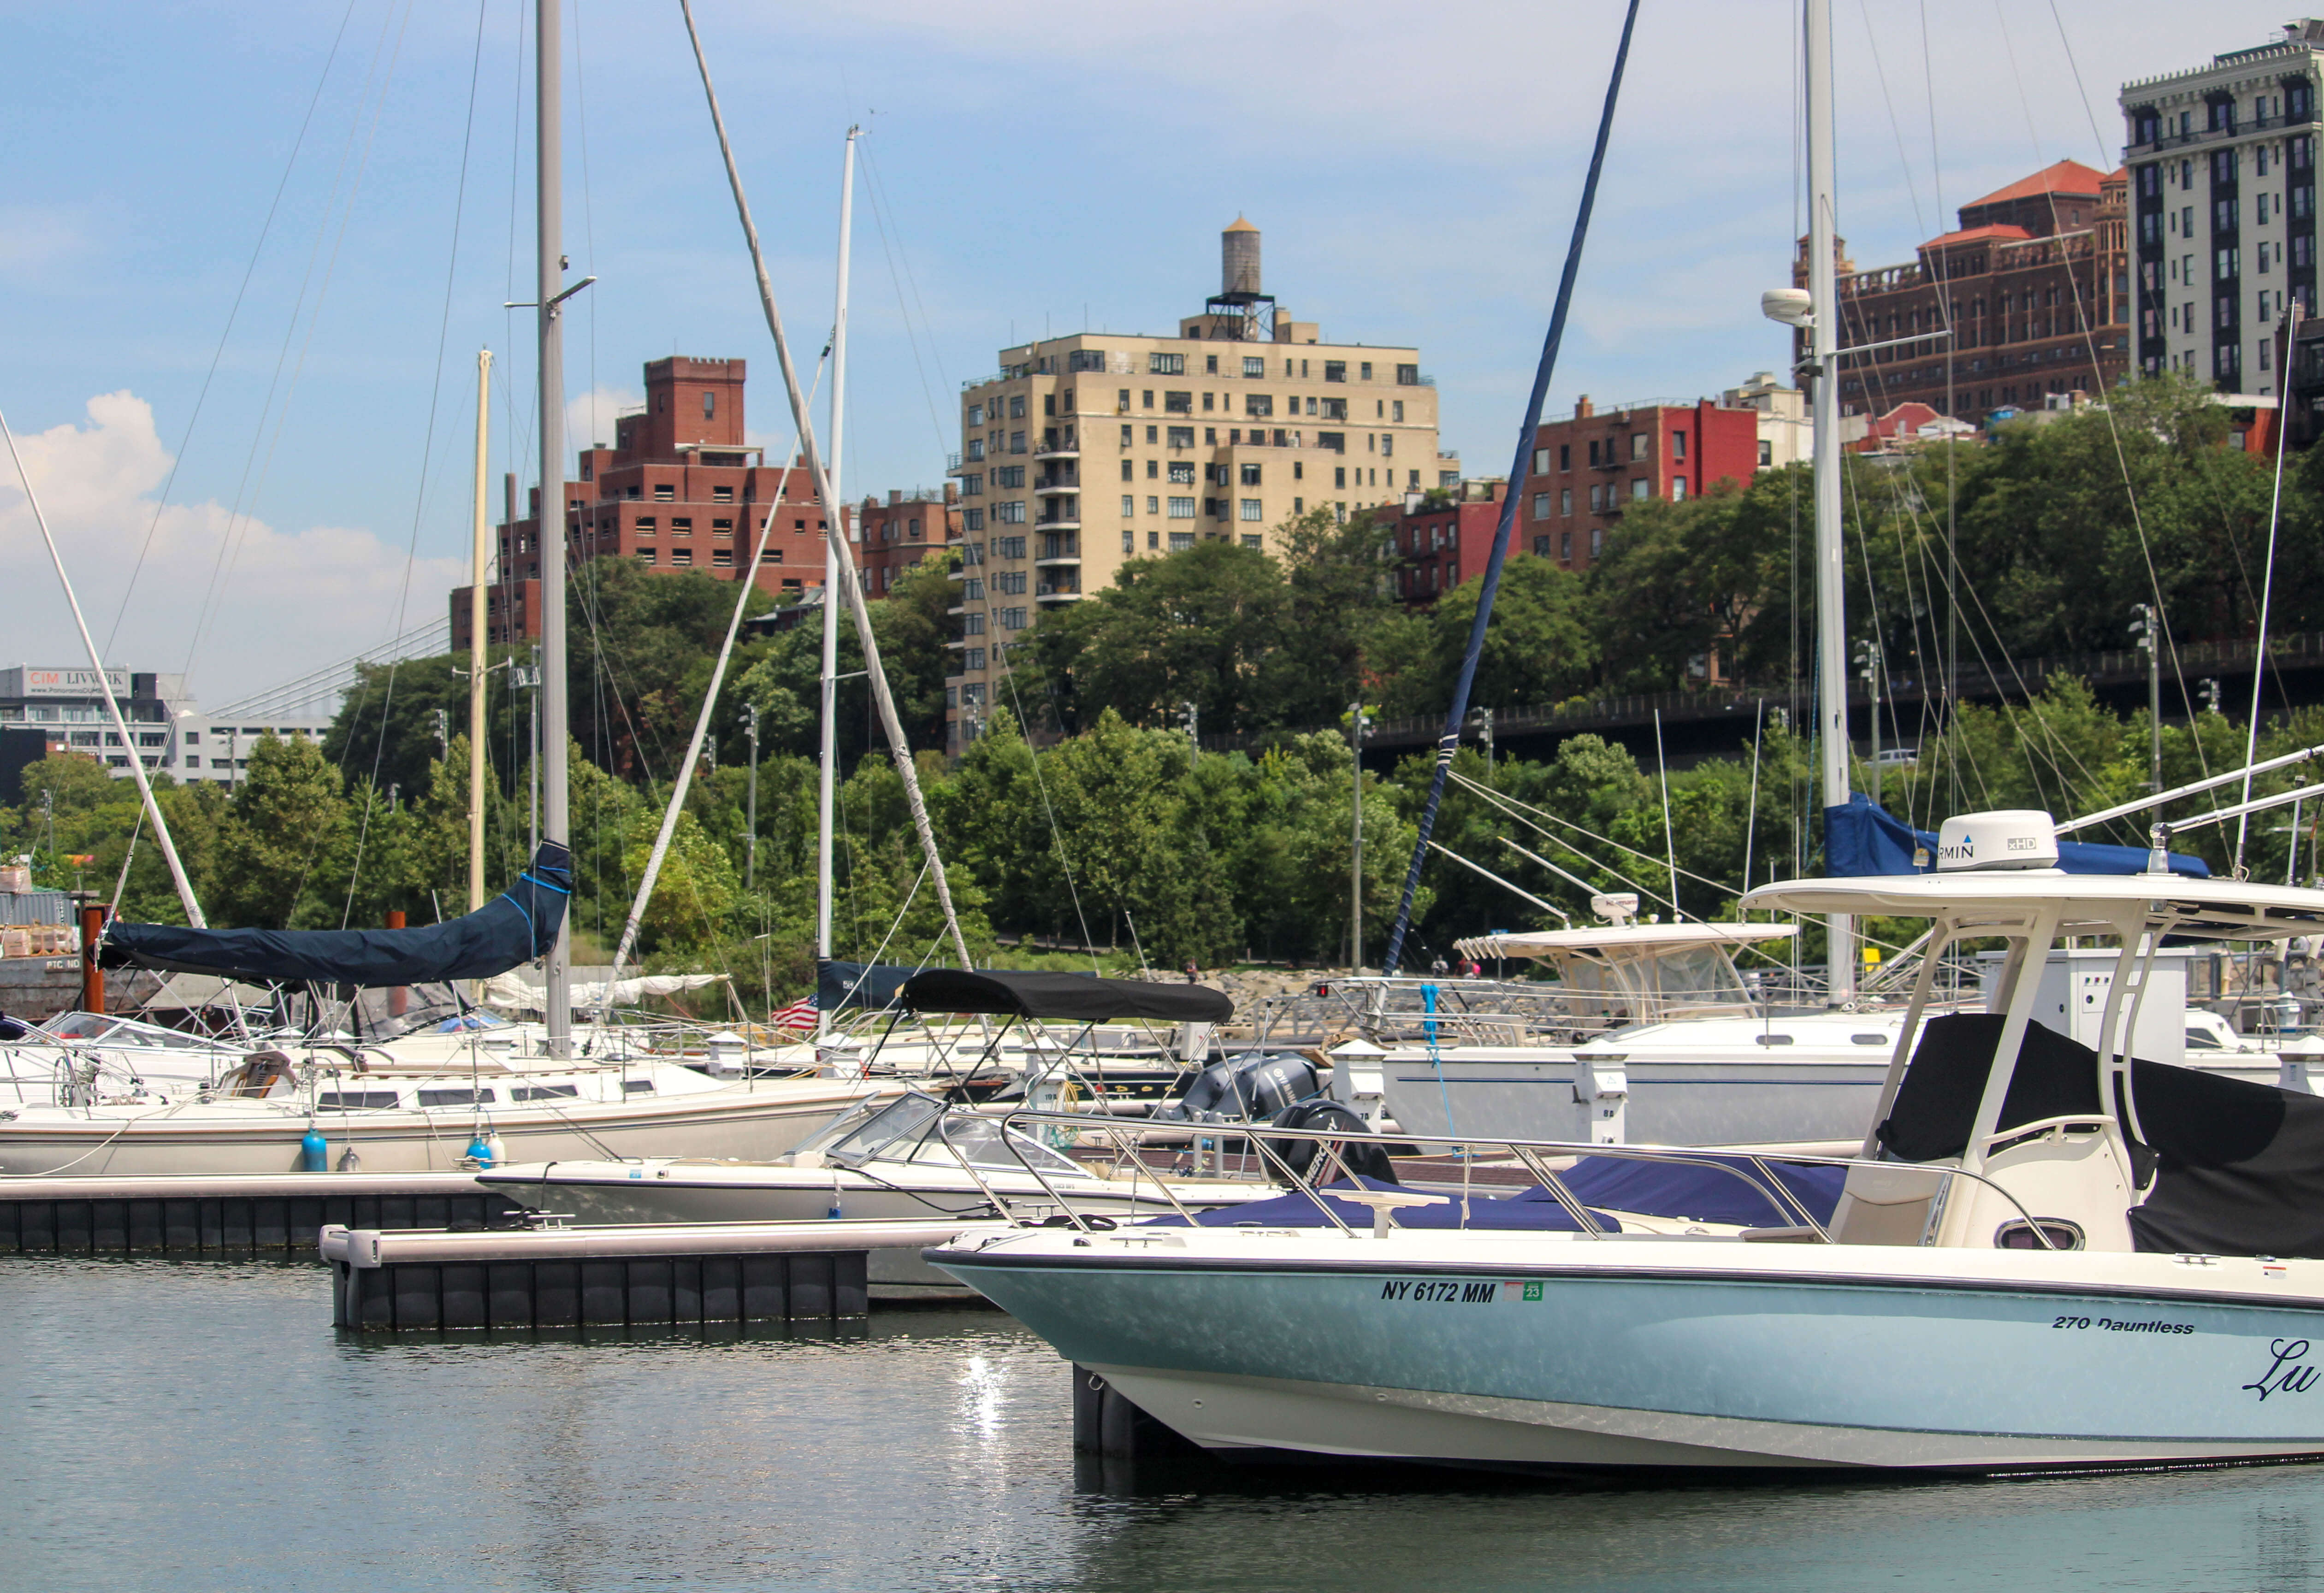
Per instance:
{"type": "Point", "coordinates": [264, 1136]}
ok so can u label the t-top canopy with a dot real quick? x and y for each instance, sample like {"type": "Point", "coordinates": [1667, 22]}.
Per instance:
{"type": "Point", "coordinates": [1021, 994]}
{"type": "Point", "coordinates": [2088, 904]}
{"type": "Point", "coordinates": [1622, 937]}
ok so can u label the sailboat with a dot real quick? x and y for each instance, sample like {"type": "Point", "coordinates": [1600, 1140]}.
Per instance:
{"type": "Point", "coordinates": [2046, 1253]}
{"type": "Point", "coordinates": [325, 1102]}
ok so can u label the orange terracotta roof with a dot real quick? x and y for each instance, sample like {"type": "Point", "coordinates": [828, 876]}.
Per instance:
{"type": "Point", "coordinates": [1975, 234]}
{"type": "Point", "coordinates": [2066, 177]}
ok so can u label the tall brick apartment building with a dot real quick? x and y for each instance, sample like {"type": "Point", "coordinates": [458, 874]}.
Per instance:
{"type": "Point", "coordinates": [895, 535]}
{"type": "Point", "coordinates": [679, 490]}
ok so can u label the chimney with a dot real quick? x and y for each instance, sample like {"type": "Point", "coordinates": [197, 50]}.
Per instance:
{"type": "Point", "coordinates": [1239, 259]}
{"type": "Point", "coordinates": [1581, 408]}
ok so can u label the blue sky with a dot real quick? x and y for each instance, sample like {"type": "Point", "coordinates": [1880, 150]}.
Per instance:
{"type": "Point", "coordinates": [1031, 167]}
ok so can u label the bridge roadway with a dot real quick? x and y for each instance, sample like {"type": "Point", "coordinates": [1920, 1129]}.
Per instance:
{"type": "Point", "coordinates": [1714, 722]}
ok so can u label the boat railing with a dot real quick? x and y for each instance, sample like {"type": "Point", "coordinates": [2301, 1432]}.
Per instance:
{"type": "Point", "coordinates": [1534, 1157]}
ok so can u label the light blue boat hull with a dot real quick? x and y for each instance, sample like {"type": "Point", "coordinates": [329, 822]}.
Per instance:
{"type": "Point", "coordinates": [1568, 1366]}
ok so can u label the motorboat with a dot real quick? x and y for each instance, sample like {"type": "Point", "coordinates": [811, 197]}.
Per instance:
{"type": "Point", "coordinates": [2046, 1255]}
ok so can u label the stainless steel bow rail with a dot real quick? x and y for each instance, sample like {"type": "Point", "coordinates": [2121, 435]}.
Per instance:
{"type": "Point", "coordinates": [1534, 1157]}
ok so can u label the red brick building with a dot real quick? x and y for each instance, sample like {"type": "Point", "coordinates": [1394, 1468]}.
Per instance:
{"type": "Point", "coordinates": [902, 531]}
{"type": "Point", "coordinates": [2037, 277]}
{"type": "Point", "coordinates": [1440, 545]}
{"type": "Point", "coordinates": [1589, 470]}
{"type": "Point", "coordinates": [679, 490]}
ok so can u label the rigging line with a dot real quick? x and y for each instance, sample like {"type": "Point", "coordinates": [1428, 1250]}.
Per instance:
{"type": "Point", "coordinates": [878, 222]}
{"type": "Point", "coordinates": [1514, 805]}
{"type": "Point", "coordinates": [428, 440]}
{"type": "Point", "coordinates": [1952, 407]}
{"type": "Point", "coordinates": [243, 489]}
{"type": "Point", "coordinates": [2266, 594]}
{"type": "Point", "coordinates": [1056, 835]}
{"type": "Point", "coordinates": [265, 229]}
{"type": "Point", "coordinates": [2090, 342]}
{"type": "Point", "coordinates": [1457, 711]}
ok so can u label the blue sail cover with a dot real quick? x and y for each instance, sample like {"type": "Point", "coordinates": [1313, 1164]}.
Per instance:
{"type": "Point", "coordinates": [519, 925]}
{"type": "Point", "coordinates": [1864, 838]}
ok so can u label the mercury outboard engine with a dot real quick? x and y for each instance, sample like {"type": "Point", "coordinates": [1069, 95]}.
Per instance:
{"type": "Point", "coordinates": [1325, 1117]}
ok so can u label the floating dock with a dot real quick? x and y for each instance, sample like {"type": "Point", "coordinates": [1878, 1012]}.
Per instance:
{"type": "Point", "coordinates": [674, 1275]}
{"type": "Point", "coordinates": [233, 1212]}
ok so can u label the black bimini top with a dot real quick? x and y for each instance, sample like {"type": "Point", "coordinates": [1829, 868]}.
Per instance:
{"type": "Point", "coordinates": [1015, 993]}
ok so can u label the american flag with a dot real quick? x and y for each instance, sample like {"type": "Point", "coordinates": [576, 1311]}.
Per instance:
{"type": "Point", "coordinates": [798, 1015]}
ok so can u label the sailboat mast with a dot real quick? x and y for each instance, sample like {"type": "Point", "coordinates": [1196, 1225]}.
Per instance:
{"type": "Point", "coordinates": [835, 524]}
{"type": "Point", "coordinates": [1832, 587]}
{"type": "Point", "coordinates": [481, 555]}
{"type": "Point", "coordinates": [555, 798]}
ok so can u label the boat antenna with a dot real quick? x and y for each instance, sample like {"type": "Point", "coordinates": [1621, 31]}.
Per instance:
{"type": "Point", "coordinates": [1448, 744]}
{"type": "Point", "coordinates": [105, 684]}
{"type": "Point", "coordinates": [2266, 589]}
{"type": "Point", "coordinates": [835, 537]}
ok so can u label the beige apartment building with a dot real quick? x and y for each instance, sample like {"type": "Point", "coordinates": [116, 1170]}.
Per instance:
{"type": "Point", "coordinates": [1086, 451]}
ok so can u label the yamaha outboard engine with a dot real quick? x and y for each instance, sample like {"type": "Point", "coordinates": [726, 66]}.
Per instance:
{"type": "Point", "coordinates": [1242, 1089]}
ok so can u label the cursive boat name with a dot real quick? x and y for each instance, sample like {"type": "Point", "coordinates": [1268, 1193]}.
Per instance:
{"type": "Point", "coordinates": [1439, 1291]}
{"type": "Point", "coordinates": [2286, 1373]}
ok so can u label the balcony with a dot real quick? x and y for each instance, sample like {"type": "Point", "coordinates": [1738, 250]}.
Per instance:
{"type": "Point", "coordinates": [1067, 447]}
{"type": "Point", "coordinates": [1045, 593]}
{"type": "Point", "coordinates": [1060, 522]}
{"type": "Point", "coordinates": [1064, 481]}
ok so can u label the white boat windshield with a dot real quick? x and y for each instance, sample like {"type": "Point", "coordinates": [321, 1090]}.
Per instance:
{"type": "Point", "coordinates": [1621, 984]}
{"type": "Point", "coordinates": [85, 1028]}
{"type": "Point", "coordinates": [908, 1131]}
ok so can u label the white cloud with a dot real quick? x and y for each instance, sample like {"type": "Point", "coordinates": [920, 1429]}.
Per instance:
{"type": "Point", "coordinates": [280, 603]}
{"type": "Point", "coordinates": [589, 415]}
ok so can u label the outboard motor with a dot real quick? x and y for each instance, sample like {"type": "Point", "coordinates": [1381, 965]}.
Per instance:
{"type": "Point", "coordinates": [1322, 1117]}
{"type": "Point", "coordinates": [1242, 1090]}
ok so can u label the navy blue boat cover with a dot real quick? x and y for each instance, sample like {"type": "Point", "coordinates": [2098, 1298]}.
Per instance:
{"type": "Point", "coordinates": [517, 926]}
{"type": "Point", "coordinates": [1865, 838]}
{"type": "Point", "coordinates": [840, 985]}
{"type": "Point", "coordinates": [1600, 1183]}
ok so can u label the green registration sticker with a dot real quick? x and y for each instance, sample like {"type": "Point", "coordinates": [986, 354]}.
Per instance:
{"type": "Point", "coordinates": [1533, 1291]}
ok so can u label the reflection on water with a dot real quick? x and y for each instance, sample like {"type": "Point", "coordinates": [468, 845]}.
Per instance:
{"type": "Point", "coordinates": [195, 1425]}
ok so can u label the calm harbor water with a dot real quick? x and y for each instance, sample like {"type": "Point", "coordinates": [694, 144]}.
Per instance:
{"type": "Point", "coordinates": [198, 1425]}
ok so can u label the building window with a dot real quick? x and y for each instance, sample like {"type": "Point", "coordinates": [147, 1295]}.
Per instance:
{"type": "Point", "coordinates": [1766, 453]}
{"type": "Point", "coordinates": [1128, 504]}
{"type": "Point", "coordinates": [1009, 583]}
{"type": "Point", "coordinates": [1250, 510]}
{"type": "Point", "coordinates": [976, 414]}
{"type": "Point", "coordinates": [721, 494]}
{"type": "Point", "coordinates": [1541, 506]}
{"type": "Point", "coordinates": [681, 525]}
{"type": "Point", "coordinates": [646, 555]}
{"type": "Point", "coordinates": [1009, 514]}
{"type": "Point", "coordinates": [1565, 501]}
{"type": "Point", "coordinates": [1254, 365]}
{"type": "Point", "coordinates": [1166, 364]}
{"type": "Point", "coordinates": [1541, 461]}
{"type": "Point", "coordinates": [1597, 500]}
{"type": "Point", "coordinates": [1678, 489]}
{"type": "Point", "coordinates": [681, 558]}
{"type": "Point", "coordinates": [1182, 473]}
{"type": "Point", "coordinates": [721, 528]}
{"type": "Point", "coordinates": [1251, 475]}
{"type": "Point", "coordinates": [1335, 370]}
{"type": "Point", "coordinates": [1396, 410]}
{"type": "Point", "coordinates": [1008, 547]}
{"type": "Point", "coordinates": [1642, 488]}
{"type": "Point", "coordinates": [1182, 436]}
{"type": "Point", "coordinates": [1182, 540]}
{"type": "Point", "coordinates": [1258, 406]}
{"type": "Point", "coordinates": [1339, 475]}
{"type": "Point", "coordinates": [972, 520]}
{"type": "Point", "coordinates": [1129, 541]}
{"type": "Point", "coordinates": [722, 557]}
{"type": "Point", "coordinates": [1179, 403]}
{"type": "Point", "coordinates": [1678, 445]}
{"type": "Point", "coordinates": [1366, 370]}
{"type": "Point", "coordinates": [1597, 540]}
{"type": "Point", "coordinates": [971, 624]}
{"type": "Point", "coordinates": [1182, 509]}
{"type": "Point", "coordinates": [1336, 408]}
{"type": "Point", "coordinates": [1640, 443]}
{"type": "Point", "coordinates": [1565, 545]}
{"type": "Point", "coordinates": [1013, 619]}
{"type": "Point", "coordinates": [645, 523]}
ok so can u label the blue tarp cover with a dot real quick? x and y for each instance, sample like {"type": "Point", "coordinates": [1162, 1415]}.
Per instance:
{"type": "Point", "coordinates": [516, 926]}
{"type": "Point", "coordinates": [1864, 838]}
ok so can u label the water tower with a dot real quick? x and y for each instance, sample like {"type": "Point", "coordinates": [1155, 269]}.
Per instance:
{"type": "Point", "coordinates": [1238, 311]}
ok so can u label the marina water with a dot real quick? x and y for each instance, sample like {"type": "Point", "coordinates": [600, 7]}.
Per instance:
{"type": "Point", "coordinates": [198, 1425]}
